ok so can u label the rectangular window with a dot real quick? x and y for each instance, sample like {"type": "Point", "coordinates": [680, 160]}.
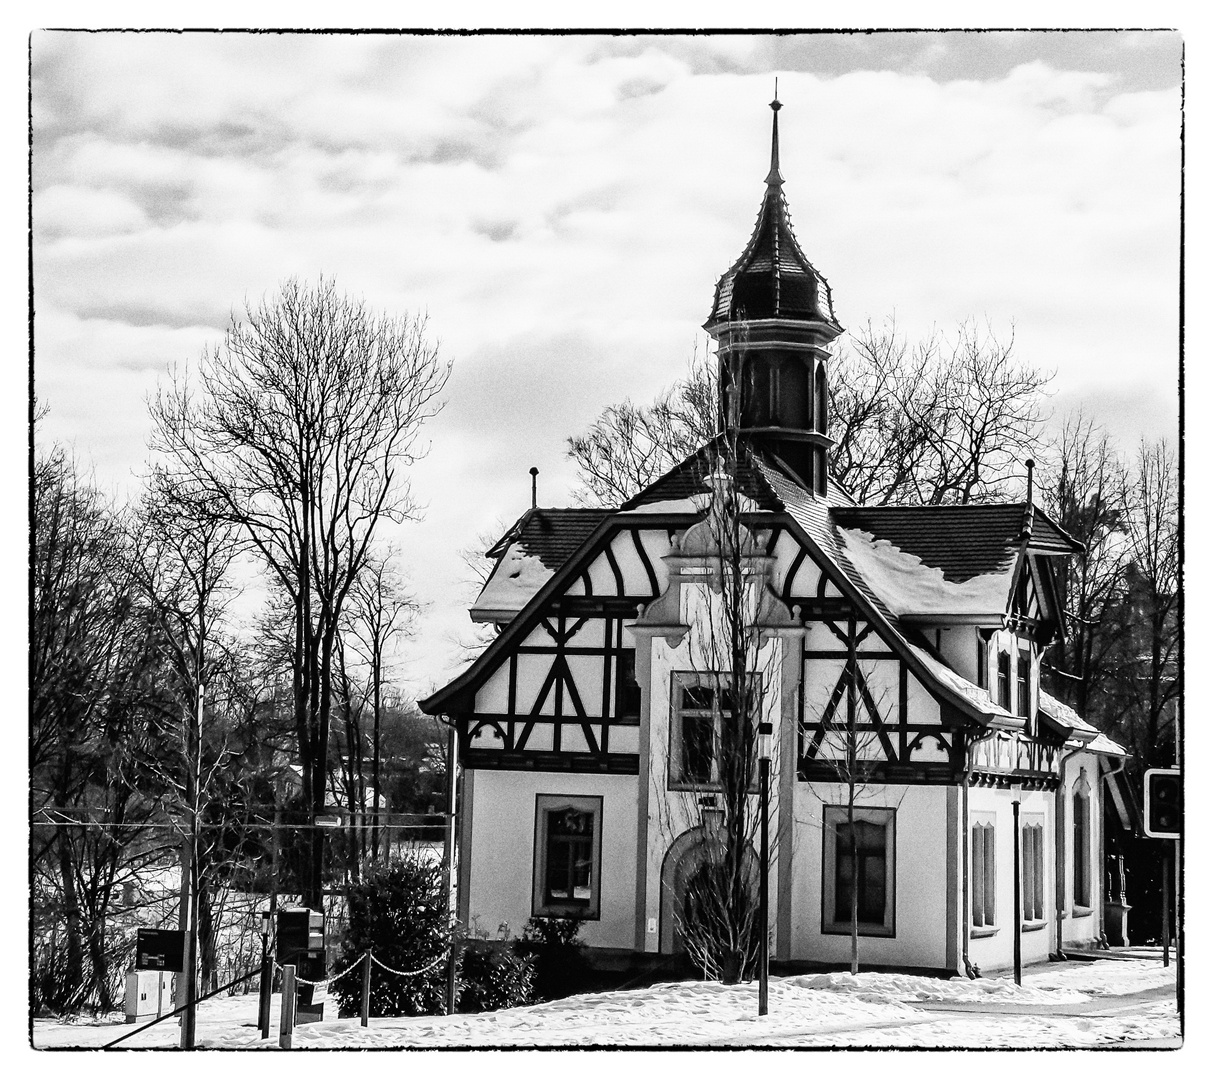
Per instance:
{"type": "Point", "coordinates": [1082, 850]}
{"type": "Point", "coordinates": [704, 709]}
{"type": "Point", "coordinates": [983, 662]}
{"type": "Point", "coordinates": [981, 872]}
{"type": "Point", "coordinates": [627, 690]}
{"type": "Point", "coordinates": [1004, 680]}
{"type": "Point", "coordinates": [1033, 859]}
{"type": "Point", "coordinates": [1023, 685]}
{"type": "Point", "coordinates": [568, 856]}
{"type": "Point", "coordinates": [858, 868]}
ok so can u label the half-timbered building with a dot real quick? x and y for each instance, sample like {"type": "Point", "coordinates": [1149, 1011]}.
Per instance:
{"type": "Point", "coordinates": [586, 722]}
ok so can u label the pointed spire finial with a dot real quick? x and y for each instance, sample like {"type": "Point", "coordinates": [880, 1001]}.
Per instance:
{"type": "Point", "coordinates": [775, 176]}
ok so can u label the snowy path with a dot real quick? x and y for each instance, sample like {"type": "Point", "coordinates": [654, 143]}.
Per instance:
{"type": "Point", "coordinates": [1077, 1004]}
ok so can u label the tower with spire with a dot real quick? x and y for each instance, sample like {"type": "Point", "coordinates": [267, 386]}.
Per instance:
{"type": "Point", "coordinates": [773, 320]}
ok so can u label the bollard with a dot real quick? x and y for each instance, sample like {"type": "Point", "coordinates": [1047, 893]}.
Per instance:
{"type": "Point", "coordinates": [287, 1027]}
{"type": "Point", "coordinates": [265, 993]}
{"type": "Point", "coordinates": [366, 987]}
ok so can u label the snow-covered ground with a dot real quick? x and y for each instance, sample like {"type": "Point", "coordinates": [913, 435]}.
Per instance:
{"type": "Point", "coordinates": [1075, 1004]}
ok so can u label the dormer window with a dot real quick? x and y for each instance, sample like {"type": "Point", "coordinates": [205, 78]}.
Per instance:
{"type": "Point", "coordinates": [1023, 685]}
{"type": "Point", "coordinates": [1004, 679]}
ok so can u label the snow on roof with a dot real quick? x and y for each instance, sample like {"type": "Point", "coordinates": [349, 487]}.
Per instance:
{"type": "Point", "coordinates": [1062, 712]}
{"type": "Point", "coordinates": [960, 685]}
{"type": "Point", "coordinates": [908, 586]}
{"type": "Point", "coordinates": [515, 579]}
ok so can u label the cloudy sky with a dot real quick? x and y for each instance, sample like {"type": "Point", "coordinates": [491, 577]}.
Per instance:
{"type": "Point", "coordinates": [561, 207]}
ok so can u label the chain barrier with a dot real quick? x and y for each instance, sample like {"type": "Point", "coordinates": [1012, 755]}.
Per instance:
{"type": "Point", "coordinates": [419, 971]}
{"type": "Point", "coordinates": [374, 960]}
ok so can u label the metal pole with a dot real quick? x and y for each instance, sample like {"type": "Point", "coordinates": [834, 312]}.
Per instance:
{"type": "Point", "coordinates": [764, 958]}
{"type": "Point", "coordinates": [267, 979]}
{"type": "Point", "coordinates": [187, 989]}
{"type": "Point", "coordinates": [448, 859]}
{"type": "Point", "coordinates": [286, 1026]}
{"type": "Point", "coordinates": [1018, 895]}
{"type": "Point", "coordinates": [366, 988]}
{"type": "Point", "coordinates": [1166, 906]}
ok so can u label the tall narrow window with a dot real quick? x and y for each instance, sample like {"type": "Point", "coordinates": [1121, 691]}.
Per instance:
{"type": "Point", "coordinates": [1033, 860]}
{"type": "Point", "coordinates": [983, 662]}
{"type": "Point", "coordinates": [1023, 686]}
{"type": "Point", "coordinates": [865, 877]}
{"type": "Point", "coordinates": [568, 855]}
{"type": "Point", "coordinates": [1082, 848]}
{"type": "Point", "coordinates": [981, 870]}
{"type": "Point", "coordinates": [627, 690]}
{"type": "Point", "coordinates": [1004, 680]}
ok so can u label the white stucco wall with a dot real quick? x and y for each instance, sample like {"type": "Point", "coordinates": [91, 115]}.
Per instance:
{"type": "Point", "coordinates": [503, 851]}
{"type": "Point", "coordinates": [920, 878]}
{"type": "Point", "coordinates": [996, 953]}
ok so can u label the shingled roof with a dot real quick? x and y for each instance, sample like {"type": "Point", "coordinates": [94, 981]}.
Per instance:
{"type": "Point", "coordinates": [687, 480]}
{"type": "Point", "coordinates": [962, 541]}
{"type": "Point", "coordinates": [551, 534]}
{"type": "Point", "coordinates": [773, 279]}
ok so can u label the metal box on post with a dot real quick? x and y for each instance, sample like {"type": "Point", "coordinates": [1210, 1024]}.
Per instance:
{"type": "Point", "coordinates": [300, 941]}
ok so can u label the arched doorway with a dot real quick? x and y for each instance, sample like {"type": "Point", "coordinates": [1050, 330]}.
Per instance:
{"type": "Point", "coordinates": [692, 861]}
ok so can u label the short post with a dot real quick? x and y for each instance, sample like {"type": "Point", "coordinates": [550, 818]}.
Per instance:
{"type": "Point", "coordinates": [267, 978]}
{"type": "Point", "coordinates": [366, 987]}
{"type": "Point", "coordinates": [287, 1027]}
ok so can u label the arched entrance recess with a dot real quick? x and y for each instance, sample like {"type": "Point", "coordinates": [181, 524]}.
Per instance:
{"type": "Point", "coordinates": [692, 852]}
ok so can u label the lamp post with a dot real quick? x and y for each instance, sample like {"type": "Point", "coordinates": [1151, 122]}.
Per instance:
{"type": "Point", "coordinates": [764, 792]}
{"type": "Point", "coordinates": [263, 1007]}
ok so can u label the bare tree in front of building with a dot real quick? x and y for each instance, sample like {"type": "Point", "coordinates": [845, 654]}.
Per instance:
{"type": "Point", "coordinates": [300, 426]}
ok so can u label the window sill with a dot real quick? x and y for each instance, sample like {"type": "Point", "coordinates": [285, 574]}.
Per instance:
{"type": "Point", "coordinates": [580, 914]}
{"type": "Point", "coordinates": [865, 930]}
{"type": "Point", "coordinates": [983, 931]}
{"type": "Point", "coordinates": [1080, 912]}
{"type": "Point", "coordinates": [1028, 927]}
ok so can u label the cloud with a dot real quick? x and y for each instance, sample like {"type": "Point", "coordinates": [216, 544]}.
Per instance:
{"type": "Point", "coordinates": [562, 206]}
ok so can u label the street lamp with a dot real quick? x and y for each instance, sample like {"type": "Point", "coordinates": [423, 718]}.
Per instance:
{"type": "Point", "coordinates": [764, 793]}
{"type": "Point", "coordinates": [263, 1007]}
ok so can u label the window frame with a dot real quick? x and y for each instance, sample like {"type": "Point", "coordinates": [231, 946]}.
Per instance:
{"type": "Point", "coordinates": [716, 681]}
{"type": "Point", "coordinates": [1032, 909]}
{"type": "Point", "coordinates": [545, 804]}
{"type": "Point", "coordinates": [1080, 900]}
{"type": "Point", "coordinates": [832, 817]}
{"type": "Point", "coordinates": [1004, 680]}
{"type": "Point", "coordinates": [983, 918]}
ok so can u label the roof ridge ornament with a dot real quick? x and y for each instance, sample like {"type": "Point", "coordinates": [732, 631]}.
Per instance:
{"type": "Point", "coordinates": [775, 177]}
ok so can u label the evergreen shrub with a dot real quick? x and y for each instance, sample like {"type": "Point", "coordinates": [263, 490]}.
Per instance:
{"type": "Point", "coordinates": [398, 912]}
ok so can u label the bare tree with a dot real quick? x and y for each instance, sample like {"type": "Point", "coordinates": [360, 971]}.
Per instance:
{"type": "Point", "coordinates": [945, 420]}
{"type": "Point", "coordinates": [1084, 487]}
{"type": "Point", "coordinates": [847, 749]}
{"type": "Point", "coordinates": [629, 446]}
{"type": "Point", "coordinates": [299, 428]}
{"type": "Point", "coordinates": [733, 624]}
{"type": "Point", "coordinates": [1148, 618]}
{"type": "Point", "coordinates": [381, 611]}
{"type": "Point", "coordinates": [91, 666]}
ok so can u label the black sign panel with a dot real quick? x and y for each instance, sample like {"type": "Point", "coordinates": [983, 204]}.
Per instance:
{"type": "Point", "coordinates": [160, 950]}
